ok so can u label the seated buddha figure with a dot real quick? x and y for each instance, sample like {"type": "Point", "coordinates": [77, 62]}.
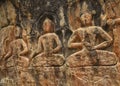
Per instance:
{"type": "Point", "coordinates": [89, 49]}
{"type": "Point", "coordinates": [49, 46]}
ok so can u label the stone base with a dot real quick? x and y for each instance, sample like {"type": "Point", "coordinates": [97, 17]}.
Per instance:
{"type": "Point", "coordinates": [42, 61]}
{"type": "Point", "coordinates": [93, 76]}
{"type": "Point", "coordinates": [102, 58]}
{"type": "Point", "coordinates": [66, 76]}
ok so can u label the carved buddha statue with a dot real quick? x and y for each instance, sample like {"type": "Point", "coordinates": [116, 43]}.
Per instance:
{"type": "Point", "coordinates": [90, 52]}
{"type": "Point", "coordinates": [114, 24]}
{"type": "Point", "coordinates": [48, 46]}
{"type": "Point", "coordinates": [16, 57]}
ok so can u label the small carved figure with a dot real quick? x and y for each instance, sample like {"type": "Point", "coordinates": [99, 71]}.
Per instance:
{"type": "Point", "coordinates": [16, 58]}
{"type": "Point", "coordinates": [89, 51]}
{"type": "Point", "coordinates": [17, 47]}
{"type": "Point", "coordinates": [115, 26]}
{"type": "Point", "coordinates": [48, 46]}
{"type": "Point", "coordinates": [111, 9]}
{"type": "Point", "coordinates": [7, 29]}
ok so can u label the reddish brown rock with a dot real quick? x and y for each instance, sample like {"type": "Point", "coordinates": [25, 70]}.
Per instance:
{"type": "Point", "coordinates": [103, 58]}
{"type": "Point", "coordinates": [59, 43]}
{"type": "Point", "coordinates": [94, 76]}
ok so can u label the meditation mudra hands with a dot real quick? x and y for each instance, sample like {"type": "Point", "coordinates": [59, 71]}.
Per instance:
{"type": "Point", "coordinates": [48, 53]}
{"type": "Point", "coordinates": [88, 45]}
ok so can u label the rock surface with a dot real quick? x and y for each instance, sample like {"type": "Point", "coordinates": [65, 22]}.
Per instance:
{"type": "Point", "coordinates": [59, 43]}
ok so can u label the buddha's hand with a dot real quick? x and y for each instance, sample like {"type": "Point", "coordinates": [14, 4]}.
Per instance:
{"type": "Point", "coordinates": [87, 44]}
{"type": "Point", "coordinates": [46, 54]}
{"type": "Point", "coordinates": [50, 53]}
{"type": "Point", "coordinates": [110, 22]}
{"type": "Point", "coordinates": [103, 22]}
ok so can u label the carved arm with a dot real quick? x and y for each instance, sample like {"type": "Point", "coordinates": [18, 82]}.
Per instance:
{"type": "Point", "coordinates": [107, 39]}
{"type": "Point", "coordinates": [25, 48]}
{"type": "Point", "coordinates": [59, 45]}
{"type": "Point", "coordinates": [72, 43]}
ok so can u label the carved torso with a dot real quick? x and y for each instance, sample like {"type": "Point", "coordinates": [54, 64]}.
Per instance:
{"type": "Point", "coordinates": [88, 34]}
{"type": "Point", "coordinates": [16, 46]}
{"type": "Point", "coordinates": [48, 41]}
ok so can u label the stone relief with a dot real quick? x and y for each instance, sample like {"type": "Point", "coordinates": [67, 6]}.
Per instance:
{"type": "Point", "coordinates": [59, 43]}
{"type": "Point", "coordinates": [89, 52]}
{"type": "Point", "coordinates": [48, 47]}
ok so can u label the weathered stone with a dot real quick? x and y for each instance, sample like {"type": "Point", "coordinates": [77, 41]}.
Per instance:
{"type": "Point", "coordinates": [103, 58]}
{"type": "Point", "coordinates": [59, 43]}
{"type": "Point", "coordinates": [94, 76]}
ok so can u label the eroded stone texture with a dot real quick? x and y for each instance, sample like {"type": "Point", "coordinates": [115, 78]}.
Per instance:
{"type": "Point", "coordinates": [94, 76]}
{"type": "Point", "coordinates": [59, 43]}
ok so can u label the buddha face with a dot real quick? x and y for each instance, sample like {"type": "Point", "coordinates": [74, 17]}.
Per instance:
{"type": "Point", "coordinates": [86, 19]}
{"type": "Point", "coordinates": [17, 32]}
{"type": "Point", "coordinates": [48, 26]}
{"type": "Point", "coordinates": [12, 16]}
